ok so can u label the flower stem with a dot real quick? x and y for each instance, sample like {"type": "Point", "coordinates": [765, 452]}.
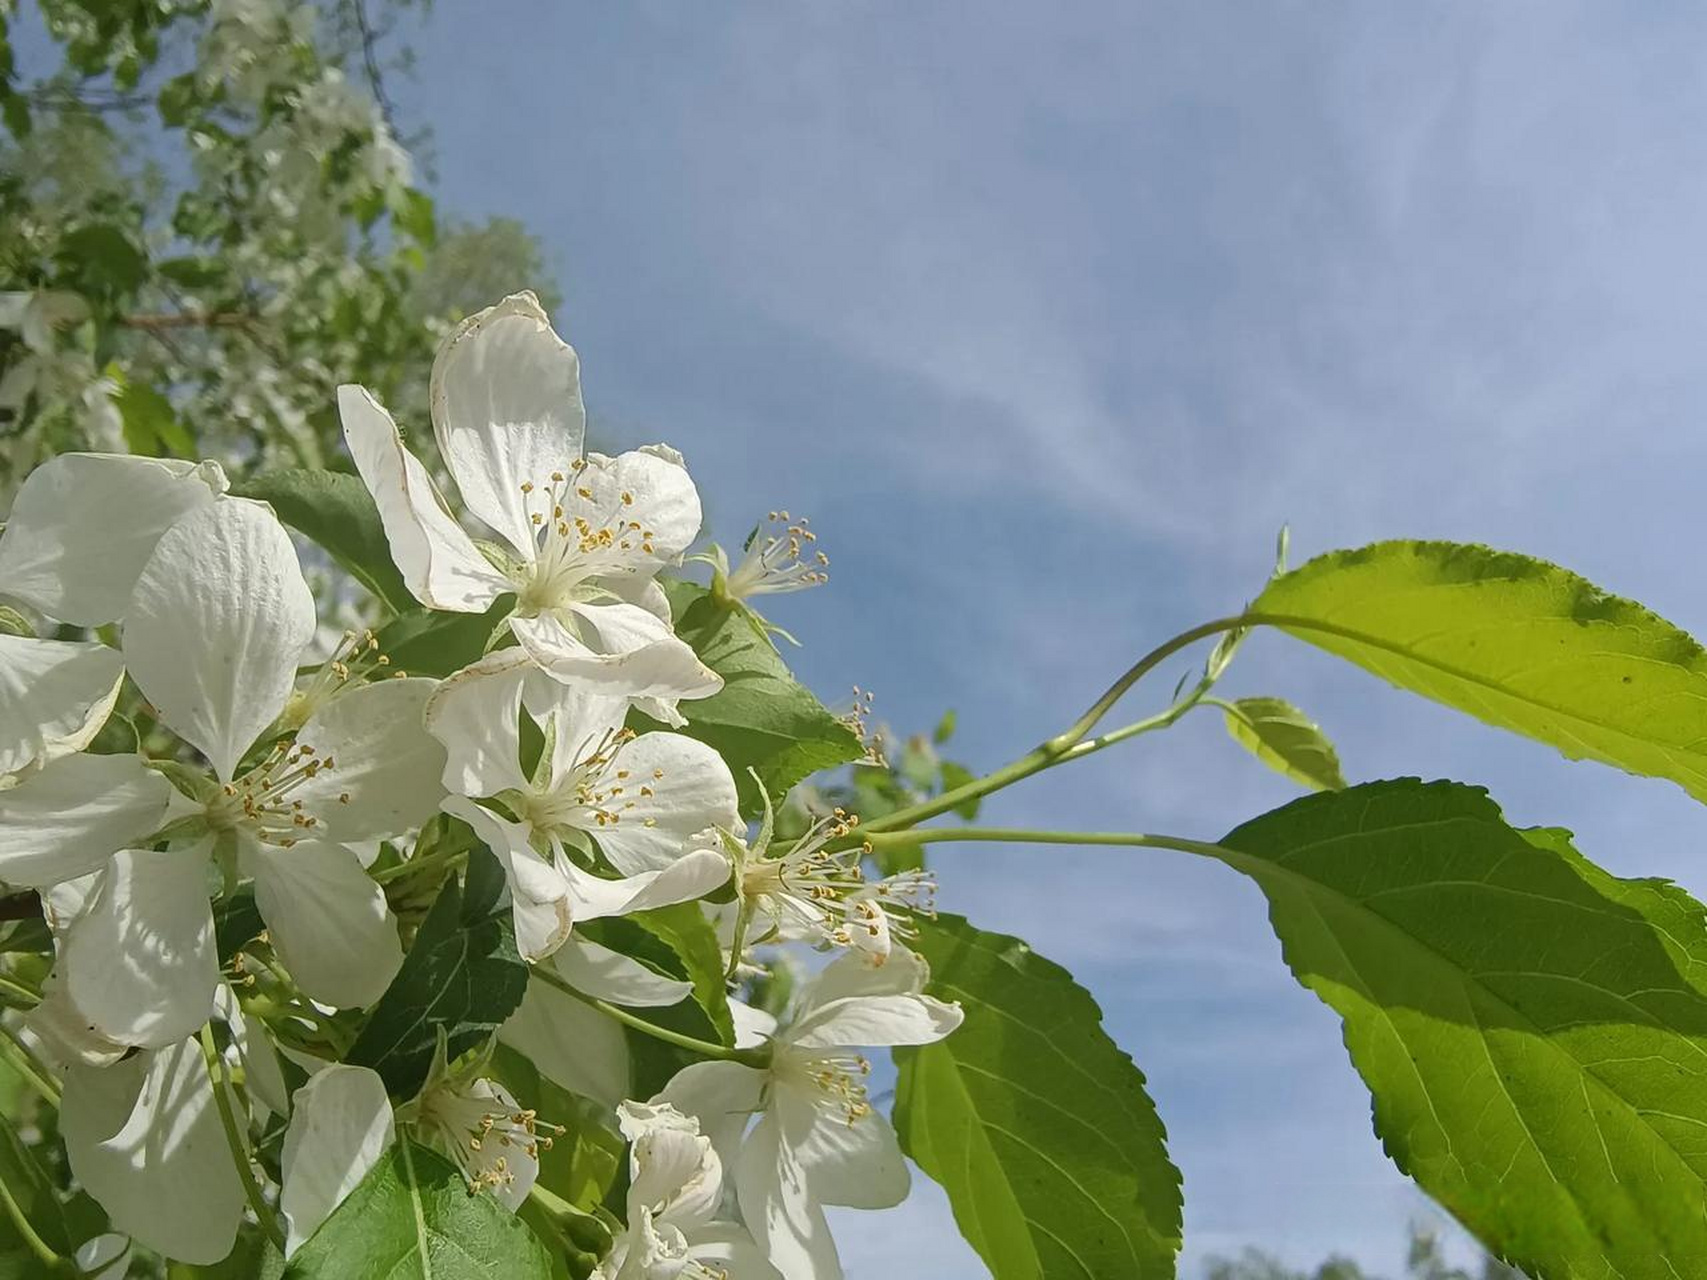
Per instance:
{"type": "Point", "coordinates": [234, 1139]}
{"type": "Point", "coordinates": [27, 1065]}
{"type": "Point", "coordinates": [758, 1056]}
{"type": "Point", "coordinates": [439, 858]}
{"type": "Point", "coordinates": [54, 1262]}
{"type": "Point", "coordinates": [1071, 744]}
{"type": "Point", "coordinates": [1023, 835]}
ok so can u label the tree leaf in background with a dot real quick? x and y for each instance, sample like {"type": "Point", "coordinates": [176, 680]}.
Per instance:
{"type": "Point", "coordinates": [462, 974]}
{"type": "Point", "coordinates": [1516, 642]}
{"type": "Point", "coordinates": [1286, 740]}
{"type": "Point", "coordinates": [1533, 1030]}
{"type": "Point", "coordinates": [336, 511]}
{"type": "Point", "coordinates": [1034, 1121]}
{"type": "Point", "coordinates": [412, 1218]}
{"type": "Point", "coordinates": [151, 427]}
{"type": "Point", "coordinates": [762, 719]}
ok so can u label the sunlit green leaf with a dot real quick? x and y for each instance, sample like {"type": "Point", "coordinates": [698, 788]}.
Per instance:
{"type": "Point", "coordinates": [1034, 1121]}
{"type": "Point", "coordinates": [1519, 643]}
{"type": "Point", "coordinates": [1286, 740]}
{"type": "Point", "coordinates": [1534, 1030]}
{"type": "Point", "coordinates": [336, 511]}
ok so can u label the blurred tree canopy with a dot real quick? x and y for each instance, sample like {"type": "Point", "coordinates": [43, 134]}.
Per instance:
{"type": "Point", "coordinates": [1424, 1261]}
{"type": "Point", "coordinates": [211, 220]}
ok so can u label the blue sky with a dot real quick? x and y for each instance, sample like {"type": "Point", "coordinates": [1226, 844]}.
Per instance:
{"type": "Point", "coordinates": [1050, 316]}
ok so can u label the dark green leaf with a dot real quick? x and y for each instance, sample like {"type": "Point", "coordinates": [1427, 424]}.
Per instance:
{"type": "Point", "coordinates": [33, 1192]}
{"type": "Point", "coordinates": [102, 260]}
{"type": "Point", "coordinates": [236, 922]}
{"type": "Point", "coordinates": [424, 643]}
{"type": "Point", "coordinates": [194, 273]}
{"type": "Point", "coordinates": [1034, 1121]}
{"type": "Point", "coordinates": [1534, 1030]}
{"type": "Point", "coordinates": [337, 512]}
{"type": "Point", "coordinates": [462, 974]}
{"type": "Point", "coordinates": [1516, 642]}
{"type": "Point", "coordinates": [1286, 740]}
{"type": "Point", "coordinates": [762, 718]}
{"type": "Point", "coordinates": [412, 1218]}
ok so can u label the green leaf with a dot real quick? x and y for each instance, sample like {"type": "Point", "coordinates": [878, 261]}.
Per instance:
{"type": "Point", "coordinates": [412, 1218]}
{"type": "Point", "coordinates": [425, 643]}
{"type": "Point", "coordinates": [1034, 1121]}
{"type": "Point", "coordinates": [1534, 1030]}
{"type": "Point", "coordinates": [33, 1192]}
{"type": "Point", "coordinates": [958, 775]}
{"type": "Point", "coordinates": [584, 1160]}
{"type": "Point", "coordinates": [944, 728]}
{"type": "Point", "coordinates": [1516, 642]}
{"type": "Point", "coordinates": [762, 718]}
{"type": "Point", "coordinates": [151, 427]}
{"type": "Point", "coordinates": [102, 260]}
{"type": "Point", "coordinates": [337, 512]}
{"type": "Point", "coordinates": [1286, 740]}
{"type": "Point", "coordinates": [462, 974]}
{"type": "Point", "coordinates": [236, 922]}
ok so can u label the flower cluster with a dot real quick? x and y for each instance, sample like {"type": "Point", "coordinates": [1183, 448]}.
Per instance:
{"type": "Point", "coordinates": [174, 753]}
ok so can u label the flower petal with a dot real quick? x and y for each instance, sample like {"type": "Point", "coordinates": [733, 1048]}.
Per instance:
{"type": "Point", "coordinates": [674, 1171]}
{"type": "Point", "coordinates": [858, 1164]}
{"type": "Point", "coordinates": [623, 648]}
{"type": "Point", "coordinates": [144, 1138]}
{"type": "Point", "coordinates": [506, 403]}
{"type": "Point", "coordinates": [637, 488]}
{"type": "Point", "coordinates": [722, 1096]}
{"type": "Point", "coordinates": [384, 767]}
{"type": "Point", "coordinates": [875, 1020]}
{"type": "Point", "coordinates": [572, 1044]}
{"type": "Point", "coordinates": [54, 697]}
{"type": "Point", "coordinates": [84, 524]}
{"type": "Point", "coordinates": [853, 974]}
{"type": "Point", "coordinates": [730, 1251]}
{"type": "Point", "coordinates": [692, 876]}
{"type": "Point", "coordinates": [67, 819]}
{"type": "Point", "coordinates": [328, 921]}
{"type": "Point", "coordinates": [340, 1126]}
{"type": "Point", "coordinates": [609, 975]}
{"type": "Point", "coordinates": [681, 788]}
{"type": "Point", "coordinates": [539, 894]}
{"type": "Point", "coordinates": [438, 560]}
{"type": "Point", "coordinates": [779, 1209]}
{"type": "Point", "coordinates": [219, 621]}
{"type": "Point", "coordinates": [140, 962]}
{"type": "Point", "coordinates": [474, 716]}
{"type": "Point", "coordinates": [65, 1031]}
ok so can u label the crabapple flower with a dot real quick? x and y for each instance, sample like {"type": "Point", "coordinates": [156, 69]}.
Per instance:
{"type": "Point", "coordinates": [781, 559]}
{"type": "Point", "coordinates": [583, 535]}
{"type": "Point", "coordinates": [675, 1190]}
{"type": "Point", "coordinates": [54, 697]}
{"type": "Point", "coordinates": [818, 1140]}
{"type": "Point", "coordinates": [342, 1124]}
{"type": "Point", "coordinates": [811, 893]}
{"type": "Point", "coordinates": [220, 619]}
{"type": "Point", "coordinates": [638, 799]}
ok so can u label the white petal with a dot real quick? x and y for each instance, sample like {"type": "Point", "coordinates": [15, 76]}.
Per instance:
{"type": "Point", "coordinates": [579, 719]}
{"type": "Point", "coordinates": [475, 716]}
{"type": "Point", "coordinates": [875, 1020]}
{"type": "Point", "coordinates": [640, 488]}
{"type": "Point", "coordinates": [675, 1172]}
{"type": "Point", "coordinates": [729, 1250]}
{"type": "Point", "coordinates": [438, 560]}
{"type": "Point", "coordinates": [140, 962]}
{"type": "Point", "coordinates": [572, 1044]}
{"type": "Point", "coordinates": [752, 1026]}
{"type": "Point", "coordinates": [104, 1257]}
{"type": "Point", "coordinates": [522, 1167]}
{"type": "Point", "coordinates": [328, 921]}
{"type": "Point", "coordinates": [220, 619]}
{"type": "Point", "coordinates": [610, 975]}
{"type": "Point", "coordinates": [722, 1096]}
{"type": "Point", "coordinates": [262, 1076]}
{"type": "Point", "coordinates": [852, 974]}
{"type": "Point", "coordinates": [539, 894]}
{"type": "Point", "coordinates": [858, 1164]}
{"type": "Point", "coordinates": [386, 767]}
{"type": "Point", "coordinates": [691, 876]}
{"type": "Point", "coordinates": [144, 1138]}
{"type": "Point", "coordinates": [84, 524]}
{"type": "Point", "coordinates": [66, 1032]}
{"type": "Point", "coordinates": [506, 403]}
{"type": "Point", "coordinates": [54, 697]}
{"type": "Point", "coordinates": [340, 1126]}
{"type": "Point", "coordinates": [691, 790]}
{"type": "Point", "coordinates": [778, 1208]}
{"type": "Point", "coordinates": [622, 648]}
{"type": "Point", "coordinates": [68, 819]}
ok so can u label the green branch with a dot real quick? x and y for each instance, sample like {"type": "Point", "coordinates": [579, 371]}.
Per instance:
{"type": "Point", "coordinates": [53, 1261]}
{"type": "Point", "coordinates": [1023, 835]}
{"type": "Point", "coordinates": [234, 1138]}
{"type": "Point", "coordinates": [759, 1056]}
